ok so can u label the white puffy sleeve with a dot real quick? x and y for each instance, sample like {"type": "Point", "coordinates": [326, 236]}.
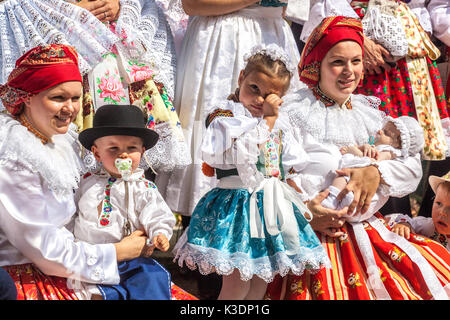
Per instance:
{"type": "Point", "coordinates": [294, 157]}
{"type": "Point", "coordinates": [401, 176]}
{"type": "Point", "coordinates": [154, 214]}
{"type": "Point", "coordinates": [232, 137]}
{"type": "Point", "coordinates": [439, 11]}
{"type": "Point", "coordinates": [32, 223]}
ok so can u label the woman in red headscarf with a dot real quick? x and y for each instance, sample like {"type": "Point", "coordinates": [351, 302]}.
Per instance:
{"type": "Point", "coordinates": [40, 168]}
{"type": "Point", "coordinates": [368, 261]}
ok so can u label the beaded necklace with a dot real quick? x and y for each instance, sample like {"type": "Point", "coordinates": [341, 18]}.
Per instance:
{"type": "Point", "coordinates": [24, 121]}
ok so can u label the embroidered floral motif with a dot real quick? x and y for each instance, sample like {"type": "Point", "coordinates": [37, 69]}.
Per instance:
{"type": "Point", "coordinates": [297, 287]}
{"type": "Point", "coordinates": [272, 152]}
{"type": "Point", "coordinates": [110, 87]}
{"type": "Point", "coordinates": [396, 254]}
{"type": "Point", "coordinates": [217, 113]}
{"type": "Point", "coordinates": [353, 280]}
{"type": "Point", "coordinates": [105, 216]}
{"type": "Point", "coordinates": [317, 288]}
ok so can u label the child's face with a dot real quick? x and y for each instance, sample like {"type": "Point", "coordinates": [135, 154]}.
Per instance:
{"type": "Point", "coordinates": [389, 135]}
{"type": "Point", "coordinates": [441, 209]}
{"type": "Point", "coordinates": [107, 149]}
{"type": "Point", "coordinates": [255, 87]}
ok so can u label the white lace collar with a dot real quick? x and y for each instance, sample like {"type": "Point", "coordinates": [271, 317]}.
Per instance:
{"type": "Point", "coordinates": [57, 162]}
{"type": "Point", "coordinates": [333, 124]}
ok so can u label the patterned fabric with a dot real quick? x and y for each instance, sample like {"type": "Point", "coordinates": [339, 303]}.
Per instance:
{"type": "Point", "coordinates": [32, 284]}
{"type": "Point", "coordinates": [327, 101]}
{"type": "Point", "coordinates": [413, 87]}
{"type": "Point", "coordinates": [273, 3]}
{"type": "Point", "coordinates": [329, 32]}
{"type": "Point", "coordinates": [219, 240]}
{"type": "Point", "coordinates": [118, 80]}
{"type": "Point", "coordinates": [217, 113]}
{"type": "Point", "coordinates": [37, 70]}
{"type": "Point", "coordinates": [349, 279]}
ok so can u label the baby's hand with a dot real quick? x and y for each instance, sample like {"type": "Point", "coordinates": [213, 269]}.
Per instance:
{"type": "Point", "coordinates": [402, 229]}
{"type": "Point", "coordinates": [161, 242]}
{"type": "Point", "coordinates": [370, 151]}
{"type": "Point", "coordinates": [271, 105]}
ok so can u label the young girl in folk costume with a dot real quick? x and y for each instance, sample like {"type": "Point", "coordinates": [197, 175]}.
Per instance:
{"type": "Point", "coordinates": [368, 260]}
{"type": "Point", "coordinates": [218, 35]}
{"type": "Point", "coordinates": [252, 226]}
{"type": "Point", "coordinates": [126, 57]}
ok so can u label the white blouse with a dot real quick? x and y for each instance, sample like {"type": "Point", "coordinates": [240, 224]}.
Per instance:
{"type": "Point", "coordinates": [37, 184]}
{"type": "Point", "coordinates": [440, 19]}
{"type": "Point", "coordinates": [322, 131]}
{"type": "Point", "coordinates": [234, 142]}
{"type": "Point", "coordinates": [146, 208]}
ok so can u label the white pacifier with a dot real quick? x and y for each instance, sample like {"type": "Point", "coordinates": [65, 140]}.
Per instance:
{"type": "Point", "coordinates": [123, 164]}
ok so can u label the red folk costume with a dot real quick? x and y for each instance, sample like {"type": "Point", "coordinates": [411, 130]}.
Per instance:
{"type": "Point", "coordinates": [368, 261]}
{"type": "Point", "coordinates": [413, 87]}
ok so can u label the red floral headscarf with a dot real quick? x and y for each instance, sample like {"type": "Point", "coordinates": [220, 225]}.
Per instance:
{"type": "Point", "coordinates": [329, 32]}
{"type": "Point", "coordinates": [37, 70]}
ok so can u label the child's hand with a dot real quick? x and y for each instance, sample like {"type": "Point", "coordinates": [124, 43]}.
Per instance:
{"type": "Point", "coordinates": [271, 105]}
{"type": "Point", "coordinates": [402, 229]}
{"type": "Point", "coordinates": [369, 151]}
{"type": "Point", "coordinates": [161, 242]}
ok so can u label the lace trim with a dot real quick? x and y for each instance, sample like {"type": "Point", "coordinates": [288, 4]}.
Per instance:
{"type": "Point", "coordinates": [209, 260]}
{"type": "Point", "coordinates": [381, 25]}
{"type": "Point", "coordinates": [57, 163]}
{"type": "Point", "coordinates": [334, 125]}
{"type": "Point", "coordinates": [169, 153]}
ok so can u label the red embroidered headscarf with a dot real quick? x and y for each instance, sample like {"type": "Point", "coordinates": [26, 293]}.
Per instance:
{"type": "Point", "coordinates": [329, 32]}
{"type": "Point", "coordinates": [37, 70]}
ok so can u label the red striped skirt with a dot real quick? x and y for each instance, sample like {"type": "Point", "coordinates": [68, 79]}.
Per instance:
{"type": "Point", "coordinates": [413, 274]}
{"type": "Point", "coordinates": [32, 284]}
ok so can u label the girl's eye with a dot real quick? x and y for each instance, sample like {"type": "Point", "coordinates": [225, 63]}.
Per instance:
{"type": "Point", "coordinates": [438, 203]}
{"type": "Point", "coordinates": [254, 88]}
{"type": "Point", "coordinates": [337, 62]}
{"type": "Point", "coordinates": [59, 98]}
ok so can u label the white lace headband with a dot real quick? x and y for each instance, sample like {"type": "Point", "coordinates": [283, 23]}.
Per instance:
{"type": "Point", "coordinates": [275, 53]}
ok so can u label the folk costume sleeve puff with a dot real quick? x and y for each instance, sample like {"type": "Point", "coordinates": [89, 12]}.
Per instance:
{"type": "Point", "coordinates": [233, 139]}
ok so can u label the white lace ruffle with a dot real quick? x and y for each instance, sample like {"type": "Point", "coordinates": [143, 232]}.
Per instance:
{"type": "Point", "coordinates": [145, 25]}
{"type": "Point", "coordinates": [386, 30]}
{"type": "Point", "coordinates": [25, 24]}
{"type": "Point", "coordinates": [275, 53]}
{"type": "Point", "coordinates": [209, 260]}
{"type": "Point", "coordinates": [334, 125]}
{"type": "Point", "coordinates": [169, 153]}
{"type": "Point", "coordinates": [58, 163]}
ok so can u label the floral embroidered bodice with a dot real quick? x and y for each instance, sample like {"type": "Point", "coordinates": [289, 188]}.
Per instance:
{"type": "Point", "coordinates": [269, 161]}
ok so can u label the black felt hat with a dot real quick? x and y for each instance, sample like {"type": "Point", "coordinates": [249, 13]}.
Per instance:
{"type": "Point", "coordinates": [122, 120]}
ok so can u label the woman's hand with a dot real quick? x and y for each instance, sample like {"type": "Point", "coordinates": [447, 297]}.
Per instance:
{"type": "Point", "coordinates": [103, 10]}
{"type": "Point", "coordinates": [132, 246]}
{"type": "Point", "coordinates": [327, 221]}
{"type": "Point", "coordinates": [375, 57]}
{"type": "Point", "coordinates": [363, 183]}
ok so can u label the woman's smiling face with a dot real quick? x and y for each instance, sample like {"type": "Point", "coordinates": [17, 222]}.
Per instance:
{"type": "Point", "coordinates": [341, 70]}
{"type": "Point", "coordinates": [51, 111]}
